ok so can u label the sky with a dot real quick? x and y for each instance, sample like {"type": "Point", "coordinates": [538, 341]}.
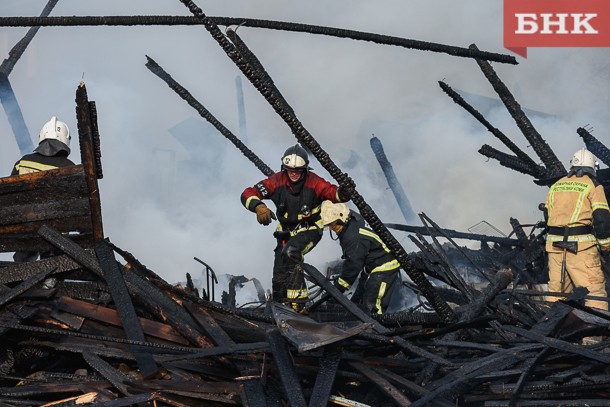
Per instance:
{"type": "Point", "coordinates": [168, 199]}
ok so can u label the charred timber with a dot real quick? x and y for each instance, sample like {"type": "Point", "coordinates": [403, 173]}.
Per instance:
{"type": "Point", "coordinates": [545, 153]}
{"type": "Point", "coordinates": [506, 160]}
{"type": "Point", "coordinates": [86, 135]}
{"type": "Point", "coordinates": [207, 115]}
{"type": "Point", "coordinates": [272, 25]}
{"type": "Point", "coordinates": [598, 148]}
{"type": "Point", "coordinates": [397, 190]}
{"type": "Point", "coordinates": [532, 168]}
{"type": "Point", "coordinates": [455, 234]}
{"type": "Point", "coordinates": [306, 139]}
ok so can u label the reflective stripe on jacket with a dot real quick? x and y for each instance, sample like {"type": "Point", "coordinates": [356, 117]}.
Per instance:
{"type": "Point", "coordinates": [575, 202]}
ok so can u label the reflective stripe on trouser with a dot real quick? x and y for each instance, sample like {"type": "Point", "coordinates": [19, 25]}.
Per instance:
{"type": "Point", "coordinates": [583, 269]}
{"type": "Point", "coordinates": [378, 290]}
{"type": "Point", "coordinates": [284, 278]}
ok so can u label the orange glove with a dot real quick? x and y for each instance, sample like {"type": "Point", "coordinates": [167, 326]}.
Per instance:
{"type": "Point", "coordinates": [263, 214]}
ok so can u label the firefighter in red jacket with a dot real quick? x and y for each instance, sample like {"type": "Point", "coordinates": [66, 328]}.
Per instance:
{"type": "Point", "coordinates": [297, 194]}
{"type": "Point", "coordinates": [363, 252]}
{"type": "Point", "coordinates": [578, 223]}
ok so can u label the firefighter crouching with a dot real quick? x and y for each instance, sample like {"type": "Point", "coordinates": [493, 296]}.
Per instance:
{"type": "Point", "coordinates": [363, 251]}
{"type": "Point", "coordinates": [578, 223]}
{"type": "Point", "coordinates": [297, 193]}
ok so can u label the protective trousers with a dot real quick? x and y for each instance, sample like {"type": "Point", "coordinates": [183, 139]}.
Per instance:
{"type": "Point", "coordinates": [288, 285]}
{"type": "Point", "coordinates": [583, 269]}
{"type": "Point", "coordinates": [378, 290]}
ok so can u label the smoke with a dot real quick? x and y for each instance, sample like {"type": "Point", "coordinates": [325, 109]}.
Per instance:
{"type": "Point", "coordinates": [167, 200]}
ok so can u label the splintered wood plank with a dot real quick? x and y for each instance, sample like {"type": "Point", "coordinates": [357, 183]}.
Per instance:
{"type": "Point", "coordinates": [111, 316]}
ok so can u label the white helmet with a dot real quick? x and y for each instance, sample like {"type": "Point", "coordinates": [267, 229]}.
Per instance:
{"type": "Point", "coordinates": [332, 212]}
{"type": "Point", "coordinates": [55, 129]}
{"type": "Point", "coordinates": [584, 158]}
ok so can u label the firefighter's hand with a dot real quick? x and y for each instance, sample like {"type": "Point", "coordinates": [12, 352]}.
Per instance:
{"type": "Point", "coordinates": [263, 214]}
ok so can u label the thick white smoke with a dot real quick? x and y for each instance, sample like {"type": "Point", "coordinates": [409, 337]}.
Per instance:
{"type": "Point", "coordinates": [165, 204]}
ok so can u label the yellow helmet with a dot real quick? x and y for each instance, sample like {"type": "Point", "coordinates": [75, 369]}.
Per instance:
{"type": "Point", "coordinates": [332, 212]}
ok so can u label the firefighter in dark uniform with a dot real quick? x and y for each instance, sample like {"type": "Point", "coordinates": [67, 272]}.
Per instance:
{"type": "Point", "coordinates": [297, 193]}
{"type": "Point", "coordinates": [578, 223]}
{"type": "Point", "coordinates": [363, 252]}
{"type": "Point", "coordinates": [52, 152]}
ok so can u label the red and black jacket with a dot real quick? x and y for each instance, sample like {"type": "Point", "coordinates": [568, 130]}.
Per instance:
{"type": "Point", "coordinates": [296, 204]}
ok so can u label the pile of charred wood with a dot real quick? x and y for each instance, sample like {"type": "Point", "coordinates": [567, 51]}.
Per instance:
{"type": "Point", "coordinates": [81, 327]}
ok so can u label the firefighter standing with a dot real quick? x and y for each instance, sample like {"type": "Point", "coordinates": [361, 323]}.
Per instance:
{"type": "Point", "coordinates": [578, 223]}
{"type": "Point", "coordinates": [363, 251]}
{"type": "Point", "coordinates": [52, 152]}
{"type": "Point", "coordinates": [297, 194]}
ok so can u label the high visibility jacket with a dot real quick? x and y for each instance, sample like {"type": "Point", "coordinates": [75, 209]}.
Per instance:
{"type": "Point", "coordinates": [298, 204]}
{"type": "Point", "coordinates": [578, 212]}
{"type": "Point", "coordinates": [362, 249]}
{"type": "Point", "coordinates": [36, 162]}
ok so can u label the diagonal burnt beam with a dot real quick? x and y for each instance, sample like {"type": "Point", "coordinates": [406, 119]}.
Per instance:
{"type": "Point", "coordinates": [598, 148]}
{"type": "Point", "coordinates": [122, 301]}
{"type": "Point", "coordinates": [249, 22]}
{"type": "Point", "coordinates": [542, 149]}
{"type": "Point", "coordinates": [395, 186]}
{"type": "Point", "coordinates": [506, 160]}
{"type": "Point", "coordinates": [270, 93]}
{"type": "Point", "coordinates": [533, 168]}
{"type": "Point", "coordinates": [104, 368]}
{"type": "Point", "coordinates": [15, 116]}
{"type": "Point", "coordinates": [149, 296]}
{"type": "Point", "coordinates": [207, 115]}
{"type": "Point", "coordinates": [6, 296]}
{"type": "Point", "coordinates": [7, 96]}
{"type": "Point", "coordinates": [382, 383]}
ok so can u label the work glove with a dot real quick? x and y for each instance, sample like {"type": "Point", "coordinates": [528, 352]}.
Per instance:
{"type": "Point", "coordinates": [263, 214]}
{"type": "Point", "coordinates": [344, 187]}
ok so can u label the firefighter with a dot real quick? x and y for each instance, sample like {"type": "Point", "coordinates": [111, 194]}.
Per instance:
{"type": "Point", "coordinates": [363, 252]}
{"type": "Point", "coordinates": [297, 193]}
{"type": "Point", "coordinates": [578, 223]}
{"type": "Point", "coordinates": [52, 152]}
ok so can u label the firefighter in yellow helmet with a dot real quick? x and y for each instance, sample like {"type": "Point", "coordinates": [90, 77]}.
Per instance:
{"type": "Point", "coordinates": [363, 252]}
{"type": "Point", "coordinates": [578, 223]}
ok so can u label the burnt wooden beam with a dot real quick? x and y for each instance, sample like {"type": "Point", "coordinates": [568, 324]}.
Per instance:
{"type": "Point", "coordinates": [542, 149]}
{"type": "Point", "coordinates": [124, 306]}
{"type": "Point", "coordinates": [455, 234]}
{"type": "Point", "coordinates": [111, 316]}
{"type": "Point", "coordinates": [273, 97]}
{"type": "Point", "coordinates": [104, 368]}
{"type": "Point", "coordinates": [15, 116]}
{"type": "Point", "coordinates": [529, 165]}
{"type": "Point", "coordinates": [382, 383]}
{"type": "Point", "coordinates": [149, 295]}
{"type": "Point", "coordinates": [598, 148]}
{"type": "Point", "coordinates": [393, 183]}
{"type": "Point", "coordinates": [288, 375]}
{"type": "Point", "coordinates": [85, 137]}
{"type": "Point", "coordinates": [249, 22]}
{"type": "Point", "coordinates": [207, 115]}
{"type": "Point", "coordinates": [325, 378]}
{"type": "Point", "coordinates": [506, 160]}
{"type": "Point", "coordinates": [10, 294]}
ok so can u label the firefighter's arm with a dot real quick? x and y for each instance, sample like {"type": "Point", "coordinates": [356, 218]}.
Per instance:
{"type": "Point", "coordinates": [354, 256]}
{"type": "Point", "coordinates": [601, 217]}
